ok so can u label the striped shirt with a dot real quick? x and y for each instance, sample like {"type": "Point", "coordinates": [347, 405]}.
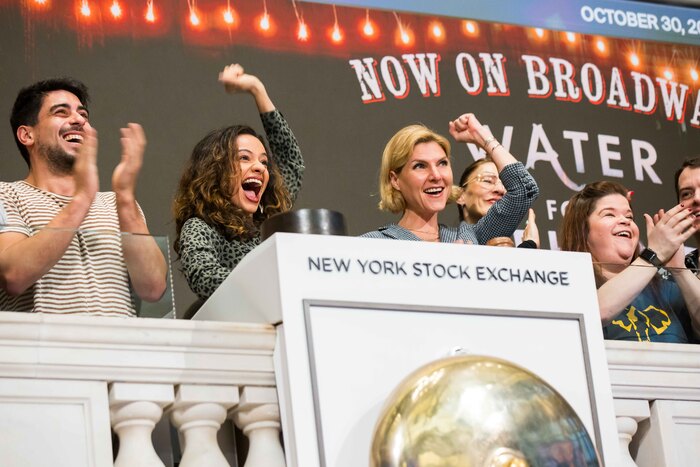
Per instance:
{"type": "Point", "coordinates": [91, 277]}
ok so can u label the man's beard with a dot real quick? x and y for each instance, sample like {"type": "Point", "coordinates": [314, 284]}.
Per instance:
{"type": "Point", "coordinates": [60, 162]}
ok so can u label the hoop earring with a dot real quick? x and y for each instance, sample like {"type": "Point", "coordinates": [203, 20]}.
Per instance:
{"type": "Point", "coordinates": [260, 208]}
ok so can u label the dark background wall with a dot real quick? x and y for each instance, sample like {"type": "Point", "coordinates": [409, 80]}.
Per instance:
{"type": "Point", "coordinates": [166, 79]}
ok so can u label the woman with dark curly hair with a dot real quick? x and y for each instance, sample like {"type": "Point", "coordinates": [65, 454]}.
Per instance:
{"type": "Point", "coordinates": [231, 184]}
{"type": "Point", "coordinates": [635, 302]}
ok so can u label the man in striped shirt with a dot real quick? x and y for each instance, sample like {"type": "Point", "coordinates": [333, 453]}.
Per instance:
{"type": "Point", "coordinates": [64, 249]}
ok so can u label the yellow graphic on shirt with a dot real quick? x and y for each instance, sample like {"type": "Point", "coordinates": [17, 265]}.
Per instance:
{"type": "Point", "coordinates": [652, 317]}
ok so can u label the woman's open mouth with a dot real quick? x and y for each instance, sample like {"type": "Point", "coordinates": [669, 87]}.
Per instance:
{"type": "Point", "coordinates": [251, 189]}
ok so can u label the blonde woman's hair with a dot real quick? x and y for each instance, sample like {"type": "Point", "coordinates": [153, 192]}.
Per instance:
{"type": "Point", "coordinates": [396, 153]}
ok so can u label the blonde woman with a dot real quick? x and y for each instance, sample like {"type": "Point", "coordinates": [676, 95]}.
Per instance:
{"type": "Point", "coordinates": [416, 178]}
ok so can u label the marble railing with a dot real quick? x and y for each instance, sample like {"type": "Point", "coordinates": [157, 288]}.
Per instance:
{"type": "Point", "coordinates": [67, 382]}
{"type": "Point", "coordinates": [656, 388]}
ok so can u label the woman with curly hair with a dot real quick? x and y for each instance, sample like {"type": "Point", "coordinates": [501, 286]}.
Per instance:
{"type": "Point", "coordinates": [231, 184]}
{"type": "Point", "coordinates": [635, 302]}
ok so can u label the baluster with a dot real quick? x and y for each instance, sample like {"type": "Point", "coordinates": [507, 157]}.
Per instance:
{"type": "Point", "coordinates": [135, 409]}
{"type": "Point", "coordinates": [629, 413]}
{"type": "Point", "coordinates": [258, 416]}
{"type": "Point", "coordinates": [198, 412]}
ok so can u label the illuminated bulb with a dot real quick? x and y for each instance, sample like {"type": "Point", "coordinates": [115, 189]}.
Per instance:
{"type": "Point", "coordinates": [150, 15]}
{"type": "Point", "coordinates": [194, 19]}
{"type": "Point", "coordinates": [571, 37]}
{"type": "Point", "coordinates": [115, 9]}
{"type": "Point", "coordinates": [437, 30]}
{"type": "Point", "coordinates": [303, 33]}
{"type": "Point", "coordinates": [368, 29]}
{"type": "Point", "coordinates": [228, 16]}
{"type": "Point", "coordinates": [634, 59]}
{"type": "Point", "coordinates": [600, 45]}
{"type": "Point", "coordinates": [85, 8]}
{"type": "Point", "coordinates": [265, 22]}
{"type": "Point", "coordinates": [337, 36]}
{"type": "Point", "coordinates": [539, 32]}
{"type": "Point", "coordinates": [694, 74]}
{"type": "Point", "coordinates": [40, 2]}
{"type": "Point", "coordinates": [668, 75]}
{"type": "Point", "coordinates": [405, 38]}
{"type": "Point", "coordinates": [470, 27]}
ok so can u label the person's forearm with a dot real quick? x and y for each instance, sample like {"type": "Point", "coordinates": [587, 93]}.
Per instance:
{"type": "Point", "coordinates": [500, 155]}
{"type": "Point", "coordinates": [144, 259]}
{"type": "Point", "coordinates": [262, 99]}
{"type": "Point", "coordinates": [286, 151]}
{"type": "Point", "coordinates": [621, 290]}
{"type": "Point", "coordinates": [203, 271]}
{"type": "Point", "coordinates": [689, 285]}
{"type": "Point", "coordinates": [25, 260]}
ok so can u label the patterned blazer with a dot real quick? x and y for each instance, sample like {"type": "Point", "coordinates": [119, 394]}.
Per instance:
{"type": "Point", "coordinates": [500, 221]}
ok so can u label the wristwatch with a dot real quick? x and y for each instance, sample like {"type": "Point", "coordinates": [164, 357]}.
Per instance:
{"type": "Point", "coordinates": [650, 257]}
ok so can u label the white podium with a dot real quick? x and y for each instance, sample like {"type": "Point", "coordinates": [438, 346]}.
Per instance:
{"type": "Point", "coordinates": [355, 316]}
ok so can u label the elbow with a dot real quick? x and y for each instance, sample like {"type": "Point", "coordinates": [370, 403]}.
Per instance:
{"type": "Point", "coordinates": [153, 290]}
{"type": "Point", "coordinates": [533, 190]}
{"type": "Point", "coordinates": [607, 315]}
{"type": "Point", "coordinates": [12, 285]}
{"type": "Point", "coordinates": [152, 284]}
{"type": "Point", "coordinates": [199, 287]}
{"type": "Point", "coordinates": [14, 280]}
{"type": "Point", "coordinates": [528, 186]}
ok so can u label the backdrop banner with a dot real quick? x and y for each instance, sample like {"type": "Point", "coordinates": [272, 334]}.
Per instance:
{"type": "Point", "coordinates": [578, 92]}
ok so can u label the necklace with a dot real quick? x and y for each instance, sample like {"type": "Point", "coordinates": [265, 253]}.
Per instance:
{"type": "Point", "coordinates": [433, 235]}
{"type": "Point", "coordinates": [433, 232]}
